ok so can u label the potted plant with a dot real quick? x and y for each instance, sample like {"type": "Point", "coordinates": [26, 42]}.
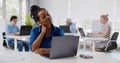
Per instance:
{"type": "Point", "coordinates": [29, 21]}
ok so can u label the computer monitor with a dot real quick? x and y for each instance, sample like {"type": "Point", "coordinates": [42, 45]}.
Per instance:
{"type": "Point", "coordinates": [81, 32]}
{"type": "Point", "coordinates": [65, 28]}
{"type": "Point", "coordinates": [25, 30]}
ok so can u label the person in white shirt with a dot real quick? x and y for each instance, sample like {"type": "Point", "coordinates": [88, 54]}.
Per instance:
{"type": "Point", "coordinates": [72, 25]}
{"type": "Point", "coordinates": [104, 31]}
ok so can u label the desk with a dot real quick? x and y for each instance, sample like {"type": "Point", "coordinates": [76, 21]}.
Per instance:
{"type": "Point", "coordinates": [99, 57]}
{"type": "Point", "coordinates": [18, 38]}
{"type": "Point", "coordinates": [93, 40]}
{"type": "Point", "coordinates": [71, 34]}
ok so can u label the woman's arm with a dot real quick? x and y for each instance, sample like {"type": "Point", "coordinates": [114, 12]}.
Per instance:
{"type": "Point", "coordinates": [43, 51]}
{"type": "Point", "coordinates": [104, 34]}
{"type": "Point", "coordinates": [37, 42]}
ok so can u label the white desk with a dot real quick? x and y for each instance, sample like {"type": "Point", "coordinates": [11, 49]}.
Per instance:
{"type": "Point", "coordinates": [35, 58]}
{"type": "Point", "coordinates": [24, 38]}
{"type": "Point", "coordinates": [93, 40]}
{"type": "Point", "coordinates": [72, 34]}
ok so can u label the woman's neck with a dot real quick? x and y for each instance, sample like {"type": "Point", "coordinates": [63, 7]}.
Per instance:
{"type": "Point", "coordinates": [49, 30]}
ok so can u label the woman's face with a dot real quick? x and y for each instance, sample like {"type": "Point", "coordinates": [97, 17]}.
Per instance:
{"type": "Point", "coordinates": [44, 18]}
{"type": "Point", "coordinates": [103, 20]}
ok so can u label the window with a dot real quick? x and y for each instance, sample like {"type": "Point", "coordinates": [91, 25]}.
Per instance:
{"type": "Point", "coordinates": [117, 15]}
{"type": "Point", "coordinates": [23, 11]}
{"type": "Point", "coordinates": [1, 9]}
{"type": "Point", "coordinates": [12, 8]}
{"type": "Point", "coordinates": [117, 24]}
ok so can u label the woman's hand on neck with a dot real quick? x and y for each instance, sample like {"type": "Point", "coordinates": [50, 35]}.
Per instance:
{"type": "Point", "coordinates": [44, 29]}
{"type": "Point", "coordinates": [48, 30]}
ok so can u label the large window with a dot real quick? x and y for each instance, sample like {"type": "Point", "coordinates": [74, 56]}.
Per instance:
{"type": "Point", "coordinates": [12, 8]}
{"type": "Point", "coordinates": [117, 24]}
{"type": "Point", "coordinates": [24, 10]}
{"type": "Point", "coordinates": [1, 8]}
{"type": "Point", "coordinates": [117, 14]}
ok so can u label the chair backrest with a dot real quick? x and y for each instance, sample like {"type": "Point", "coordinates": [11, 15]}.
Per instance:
{"type": "Point", "coordinates": [114, 38]}
{"type": "Point", "coordinates": [3, 34]}
{"type": "Point", "coordinates": [4, 39]}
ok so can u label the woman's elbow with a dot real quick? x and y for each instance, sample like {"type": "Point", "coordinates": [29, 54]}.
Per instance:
{"type": "Point", "coordinates": [33, 49]}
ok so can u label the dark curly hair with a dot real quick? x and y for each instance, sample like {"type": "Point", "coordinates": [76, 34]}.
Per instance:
{"type": "Point", "coordinates": [34, 12]}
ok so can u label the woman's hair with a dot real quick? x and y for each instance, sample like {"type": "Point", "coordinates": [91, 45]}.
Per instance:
{"type": "Point", "coordinates": [105, 17]}
{"type": "Point", "coordinates": [13, 17]}
{"type": "Point", "coordinates": [34, 12]}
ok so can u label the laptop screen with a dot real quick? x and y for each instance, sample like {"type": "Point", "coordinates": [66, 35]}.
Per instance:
{"type": "Point", "coordinates": [25, 30]}
{"type": "Point", "coordinates": [81, 32]}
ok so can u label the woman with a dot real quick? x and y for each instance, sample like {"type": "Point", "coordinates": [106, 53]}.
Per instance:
{"type": "Point", "coordinates": [104, 32]}
{"type": "Point", "coordinates": [41, 36]}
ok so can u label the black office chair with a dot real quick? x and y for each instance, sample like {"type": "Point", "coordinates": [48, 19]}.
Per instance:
{"type": "Point", "coordinates": [5, 43]}
{"type": "Point", "coordinates": [4, 40]}
{"type": "Point", "coordinates": [112, 43]}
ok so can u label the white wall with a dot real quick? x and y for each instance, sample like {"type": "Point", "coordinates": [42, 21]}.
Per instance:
{"type": "Point", "coordinates": [91, 9]}
{"type": "Point", "coordinates": [57, 8]}
{"type": "Point", "coordinates": [117, 11]}
{"type": "Point", "coordinates": [80, 9]}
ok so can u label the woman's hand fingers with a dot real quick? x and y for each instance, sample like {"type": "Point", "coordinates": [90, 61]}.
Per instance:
{"type": "Point", "coordinates": [43, 29]}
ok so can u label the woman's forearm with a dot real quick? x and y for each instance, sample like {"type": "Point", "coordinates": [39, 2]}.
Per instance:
{"type": "Point", "coordinates": [43, 51]}
{"type": "Point", "coordinates": [37, 42]}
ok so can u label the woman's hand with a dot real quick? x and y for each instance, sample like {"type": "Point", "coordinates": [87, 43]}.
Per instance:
{"type": "Point", "coordinates": [43, 29]}
{"type": "Point", "coordinates": [43, 51]}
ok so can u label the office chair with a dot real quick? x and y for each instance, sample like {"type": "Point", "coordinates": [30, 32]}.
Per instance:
{"type": "Point", "coordinates": [5, 43]}
{"type": "Point", "coordinates": [4, 40]}
{"type": "Point", "coordinates": [112, 44]}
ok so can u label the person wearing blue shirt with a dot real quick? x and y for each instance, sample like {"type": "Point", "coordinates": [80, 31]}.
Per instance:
{"type": "Point", "coordinates": [71, 25]}
{"type": "Point", "coordinates": [12, 29]}
{"type": "Point", "coordinates": [41, 36]}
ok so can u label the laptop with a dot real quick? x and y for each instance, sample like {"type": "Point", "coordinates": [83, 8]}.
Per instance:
{"type": "Point", "coordinates": [81, 32]}
{"type": "Point", "coordinates": [25, 30]}
{"type": "Point", "coordinates": [65, 46]}
{"type": "Point", "coordinates": [65, 28]}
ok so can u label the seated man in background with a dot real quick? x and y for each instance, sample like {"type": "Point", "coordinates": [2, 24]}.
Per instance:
{"type": "Point", "coordinates": [104, 31]}
{"type": "Point", "coordinates": [71, 25]}
{"type": "Point", "coordinates": [12, 29]}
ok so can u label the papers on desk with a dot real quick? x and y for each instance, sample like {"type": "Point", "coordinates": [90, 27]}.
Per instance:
{"type": "Point", "coordinates": [7, 57]}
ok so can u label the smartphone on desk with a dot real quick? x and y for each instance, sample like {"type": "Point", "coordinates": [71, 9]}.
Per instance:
{"type": "Point", "coordinates": [85, 56]}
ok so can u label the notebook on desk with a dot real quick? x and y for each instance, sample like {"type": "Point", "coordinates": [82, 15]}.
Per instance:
{"type": "Point", "coordinates": [63, 47]}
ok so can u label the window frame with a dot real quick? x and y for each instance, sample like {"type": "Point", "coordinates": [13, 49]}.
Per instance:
{"type": "Point", "coordinates": [19, 11]}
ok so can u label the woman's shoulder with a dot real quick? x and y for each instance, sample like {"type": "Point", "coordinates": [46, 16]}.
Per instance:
{"type": "Point", "coordinates": [108, 25]}
{"type": "Point", "coordinates": [36, 28]}
{"type": "Point", "coordinates": [57, 29]}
